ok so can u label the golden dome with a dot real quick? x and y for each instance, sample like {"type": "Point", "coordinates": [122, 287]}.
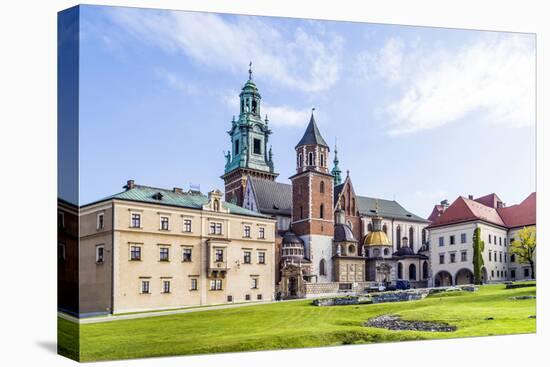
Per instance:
{"type": "Point", "coordinates": [376, 238]}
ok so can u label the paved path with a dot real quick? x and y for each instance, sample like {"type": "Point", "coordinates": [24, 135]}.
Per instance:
{"type": "Point", "coordinates": [93, 320]}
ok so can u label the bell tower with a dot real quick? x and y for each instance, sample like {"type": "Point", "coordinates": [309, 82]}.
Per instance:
{"type": "Point", "coordinates": [249, 154]}
{"type": "Point", "coordinates": [312, 185]}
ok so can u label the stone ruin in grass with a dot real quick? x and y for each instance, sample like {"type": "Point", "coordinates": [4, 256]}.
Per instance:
{"type": "Point", "coordinates": [394, 322]}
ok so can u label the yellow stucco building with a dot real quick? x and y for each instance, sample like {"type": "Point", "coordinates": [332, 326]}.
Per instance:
{"type": "Point", "coordinates": [148, 248]}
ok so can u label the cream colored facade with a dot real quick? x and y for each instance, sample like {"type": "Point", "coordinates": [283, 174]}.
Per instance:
{"type": "Point", "coordinates": [173, 256]}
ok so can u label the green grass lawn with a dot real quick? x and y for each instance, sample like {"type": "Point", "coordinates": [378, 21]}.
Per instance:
{"type": "Point", "coordinates": [296, 325]}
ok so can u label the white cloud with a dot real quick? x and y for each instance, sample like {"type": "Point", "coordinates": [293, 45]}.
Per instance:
{"type": "Point", "coordinates": [493, 78]}
{"type": "Point", "coordinates": [298, 59]}
{"type": "Point", "coordinates": [176, 81]}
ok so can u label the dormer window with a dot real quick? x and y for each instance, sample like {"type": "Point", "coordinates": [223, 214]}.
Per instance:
{"type": "Point", "coordinates": [158, 196]}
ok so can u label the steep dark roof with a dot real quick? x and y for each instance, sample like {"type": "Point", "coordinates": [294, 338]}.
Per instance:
{"type": "Point", "coordinates": [272, 197]}
{"type": "Point", "coordinates": [290, 237]}
{"type": "Point", "coordinates": [312, 136]}
{"type": "Point", "coordinates": [389, 209]}
{"type": "Point", "coordinates": [342, 233]}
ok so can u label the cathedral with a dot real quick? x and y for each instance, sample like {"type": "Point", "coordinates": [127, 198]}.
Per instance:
{"type": "Point", "coordinates": [329, 239]}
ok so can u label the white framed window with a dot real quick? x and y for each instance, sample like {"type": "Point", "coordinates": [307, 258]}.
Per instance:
{"type": "Point", "coordinates": [216, 285]}
{"type": "Point", "coordinates": [453, 258]}
{"type": "Point", "coordinates": [135, 252]}
{"type": "Point", "coordinates": [61, 219]}
{"type": "Point", "coordinates": [187, 254]}
{"type": "Point", "coordinates": [166, 286]}
{"type": "Point", "coordinates": [463, 238]}
{"type": "Point", "coordinates": [463, 256]}
{"type": "Point", "coordinates": [215, 228]}
{"type": "Point", "coordinates": [145, 287]}
{"type": "Point", "coordinates": [247, 257]}
{"type": "Point", "coordinates": [60, 251]}
{"type": "Point", "coordinates": [441, 241]}
{"type": "Point", "coordinates": [261, 257]}
{"type": "Point", "coordinates": [246, 231]}
{"type": "Point", "coordinates": [164, 254]}
{"type": "Point", "coordinates": [255, 281]}
{"type": "Point", "coordinates": [164, 223]}
{"type": "Point", "coordinates": [100, 223]}
{"type": "Point", "coordinates": [187, 225]}
{"type": "Point", "coordinates": [194, 284]}
{"type": "Point", "coordinates": [100, 254]}
{"type": "Point", "coordinates": [135, 220]}
{"type": "Point", "coordinates": [219, 255]}
{"type": "Point", "coordinates": [261, 233]}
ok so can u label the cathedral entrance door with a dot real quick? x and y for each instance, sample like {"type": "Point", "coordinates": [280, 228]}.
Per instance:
{"type": "Point", "coordinates": [292, 286]}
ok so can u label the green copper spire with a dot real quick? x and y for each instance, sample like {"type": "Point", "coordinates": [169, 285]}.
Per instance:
{"type": "Point", "coordinates": [336, 170]}
{"type": "Point", "coordinates": [249, 133]}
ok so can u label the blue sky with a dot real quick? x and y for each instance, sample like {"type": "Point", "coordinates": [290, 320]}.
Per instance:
{"type": "Point", "coordinates": [420, 114]}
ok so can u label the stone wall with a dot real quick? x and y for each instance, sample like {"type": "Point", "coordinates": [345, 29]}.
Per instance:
{"type": "Point", "coordinates": [334, 288]}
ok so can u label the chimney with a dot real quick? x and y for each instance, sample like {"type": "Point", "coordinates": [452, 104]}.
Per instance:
{"type": "Point", "coordinates": [471, 197]}
{"type": "Point", "coordinates": [129, 185]}
{"type": "Point", "coordinates": [178, 190]}
{"type": "Point", "coordinates": [445, 203]}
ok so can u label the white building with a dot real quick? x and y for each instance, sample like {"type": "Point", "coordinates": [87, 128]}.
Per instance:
{"type": "Point", "coordinates": [451, 235]}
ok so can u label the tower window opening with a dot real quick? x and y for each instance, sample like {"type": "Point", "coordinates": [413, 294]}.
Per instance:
{"type": "Point", "coordinates": [301, 212]}
{"type": "Point", "coordinates": [310, 159]}
{"type": "Point", "coordinates": [237, 146]}
{"type": "Point", "coordinates": [257, 146]}
{"type": "Point", "coordinates": [254, 106]}
{"type": "Point", "coordinates": [322, 160]}
{"type": "Point", "coordinates": [322, 187]}
{"type": "Point", "coordinates": [322, 211]}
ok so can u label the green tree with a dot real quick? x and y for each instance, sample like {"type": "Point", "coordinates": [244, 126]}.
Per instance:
{"type": "Point", "coordinates": [524, 247]}
{"type": "Point", "coordinates": [477, 261]}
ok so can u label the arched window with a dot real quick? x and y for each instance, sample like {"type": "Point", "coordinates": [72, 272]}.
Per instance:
{"type": "Point", "coordinates": [300, 160]}
{"type": "Point", "coordinates": [424, 236]}
{"type": "Point", "coordinates": [399, 271]}
{"type": "Point", "coordinates": [322, 187]}
{"type": "Point", "coordinates": [322, 211]}
{"type": "Point", "coordinates": [351, 250]}
{"type": "Point", "coordinates": [398, 236]}
{"type": "Point", "coordinates": [322, 160]}
{"type": "Point", "coordinates": [425, 270]}
{"type": "Point", "coordinates": [411, 237]}
{"type": "Point", "coordinates": [254, 105]}
{"type": "Point", "coordinates": [343, 202]}
{"type": "Point", "coordinates": [369, 227]}
{"type": "Point", "coordinates": [353, 206]}
{"type": "Point", "coordinates": [386, 252]}
{"type": "Point", "coordinates": [322, 267]}
{"type": "Point", "coordinates": [385, 229]}
{"type": "Point", "coordinates": [412, 272]}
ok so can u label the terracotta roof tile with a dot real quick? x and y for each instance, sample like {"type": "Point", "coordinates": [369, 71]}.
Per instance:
{"type": "Point", "coordinates": [522, 214]}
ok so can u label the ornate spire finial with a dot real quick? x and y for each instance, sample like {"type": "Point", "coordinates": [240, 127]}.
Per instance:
{"type": "Point", "coordinates": [250, 71]}
{"type": "Point", "coordinates": [376, 206]}
{"type": "Point", "coordinates": [336, 172]}
{"type": "Point", "coordinates": [312, 109]}
{"type": "Point", "coordinates": [266, 120]}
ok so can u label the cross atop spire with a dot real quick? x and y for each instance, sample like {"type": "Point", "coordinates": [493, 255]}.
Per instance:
{"type": "Point", "coordinates": [250, 71]}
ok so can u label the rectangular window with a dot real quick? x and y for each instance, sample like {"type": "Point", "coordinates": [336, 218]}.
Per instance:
{"type": "Point", "coordinates": [452, 240]}
{"type": "Point", "coordinates": [236, 147]}
{"type": "Point", "coordinates": [61, 219]}
{"type": "Point", "coordinates": [490, 254]}
{"type": "Point", "coordinates": [145, 286]}
{"type": "Point", "coordinates": [513, 274]}
{"type": "Point", "coordinates": [526, 272]}
{"type": "Point", "coordinates": [194, 284]}
{"type": "Point", "coordinates": [504, 241]}
{"type": "Point", "coordinates": [187, 225]}
{"type": "Point", "coordinates": [453, 258]}
{"type": "Point", "coordinates": [513, 258]}
{"type": "Point", "coordinates": [247, 257]}
{"type": "Point", "coordinates": [99, 250]}
{"type": "Point", "coordinates": [261, 233]}
{"type": "Point", "coordinates": [505, 257]}
{"type": "Point", "coordinates": [254, 283]}
{"type": "Point", "coordinates": [100, 221]}
{"type": "Point", "coordinates": [136, 220]}
{"type": "Point", "coordinates": [463, 256]}
{"type": "Point", "coordinates": [246, 232]}
{"type": "Point", "coordinates": [495, 239]}
{"type": "Point", "coordinates": [61, 251]}
{"type": "Point", "coordinates": [215, 228]}
{"type": "Point", "coordinates": [135, 253]}
{"type": "Point", "coordinates": [164, 254]}
{"type": "Point", "coordinates": [259, 297]}
{"type": "Point", "coordinates": [216, 285]}
{"type": "Point", "coordinates": [247, 297]}
{"type": "Point", "coordinates": [257, 146]}
{"type": "Point", "coordinates": [441, 241]}
{"type": "Point", "coordinates": [261, 257]}
{"type": "Point", "coordinates": [489, 238]}
{"type": "Point", "coordinates": [500, 257]}
{"type": "Point", "coordinates": [164, 223]}
{"type": "Point", "coordinates": [229, 298]}
{"type": "Point", "coordinates": [219, 255]}
{"type": "Point", "coordinates": [500, 241]}
{"type": "Point", "coordinates": [187, 252]}
{"type": "Point", "coordinates": [442, 259]}
{"type": "Point", "coordinates": [463, 238]}
{"type": "Point", "coordinates": [165, 286]}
